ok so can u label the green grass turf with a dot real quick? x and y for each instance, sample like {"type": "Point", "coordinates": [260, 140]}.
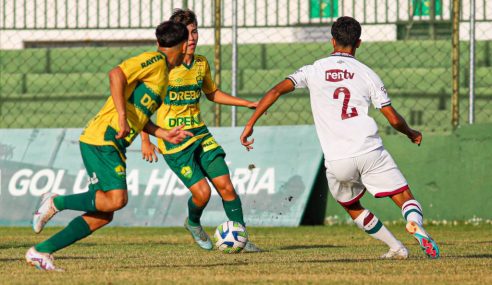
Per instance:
{"type": "Point", "coordinates": [339, 254]}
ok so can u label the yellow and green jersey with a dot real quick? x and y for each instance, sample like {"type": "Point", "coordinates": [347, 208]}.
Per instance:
{"type": "Point", "coordinates": [147, 78]}
{"type": "Point", "coordinates": [181, 105]}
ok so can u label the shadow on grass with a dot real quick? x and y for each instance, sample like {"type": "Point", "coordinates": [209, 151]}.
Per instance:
{"type": "Point", "coordinates": [77, 257]}
{"type": "Point", "coordinates": [459, 242]}
{"type": "Point", "coordinates": [294, 247]}
{"type": "Point", "coordinates": [99, 244]}
{"type": "Point", "coordinates": [16, 245]}
{"type": "Point", "coordinates": [11, 259]}
{"type": "Point", "coordinates": [186, 266]}
{"type": "Point", "coordinates": [342, 260]}
{"type": "Point", "coordinates": [475, 256]}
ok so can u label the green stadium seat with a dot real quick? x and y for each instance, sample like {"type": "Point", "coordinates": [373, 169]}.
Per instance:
{"type": "Point", "coordinates": [11, 84]}
{"type": "Point", "coordinates": [249, 56]}
{"type": "Point", "coordinates": [96, 60]}
{"type": "Point", "coordinates": [69, 113]}
{"type": "Point", "coordinates": [416, 80]}
{"type": "Point", "coordinates": [68, 83]}
{"type": "Point", "coordinates": [483, 77]}
{"type": "Point", "coordinates": [23, 61]}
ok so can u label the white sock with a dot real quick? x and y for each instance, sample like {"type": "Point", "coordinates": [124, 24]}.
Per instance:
{"type": "Point", "coordinates": [412, 211]}
{"type": "Point", "coordinates": [368, 222]}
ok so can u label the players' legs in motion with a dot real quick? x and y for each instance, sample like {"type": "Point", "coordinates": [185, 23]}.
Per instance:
{"type": "Point", "coordinates": [412, 213]}
{"type": "Point", "coordinates": [232, 205]}
{"type": "Point", "coordinates": [200, 195]}
{"type": "Point", "coordinates": [369, 223]}
{"type": "Point", "coordinates": [99, 206]}
{"type": "Point", "coordinates": [219, 172]}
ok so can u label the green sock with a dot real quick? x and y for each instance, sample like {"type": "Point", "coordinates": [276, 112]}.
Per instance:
{"type": "Point", "coordinates": [85, 202]}
{"type": "Point", "coordinates": [234, 210]}
{"type": "Point", "coordinates": [77, 229]}
{"type": "Point", "coordinates": [194, 213]}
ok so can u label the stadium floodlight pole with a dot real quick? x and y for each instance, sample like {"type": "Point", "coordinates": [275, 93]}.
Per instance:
{"type": "Point", "coordinates": [471, 110]}
{"type": "Point", "coordinates": [234, 62]}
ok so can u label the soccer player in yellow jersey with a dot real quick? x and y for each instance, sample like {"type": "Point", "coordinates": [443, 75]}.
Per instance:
{"type": "Point", "coordinates": [199, 157]}
{"type": "Point", "coordinates": [138, 86]}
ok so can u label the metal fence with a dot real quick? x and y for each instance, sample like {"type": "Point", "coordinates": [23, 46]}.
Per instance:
{"type": "Point", "coordinates": [55, 54]}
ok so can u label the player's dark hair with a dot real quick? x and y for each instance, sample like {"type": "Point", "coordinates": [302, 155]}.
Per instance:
{"type": "Point", "coordinates": [346, 31]}
{"type": "Point", "coordinates": [184, 16]}
{"type": "Point", "coordinates": [170, 33]}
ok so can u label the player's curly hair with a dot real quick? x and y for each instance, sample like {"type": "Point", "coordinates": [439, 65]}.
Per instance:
{"type": "Point", "coordinates": [346, 31]}
{"type": "Point", "coordinates": [183, 16]}
{"type": "Point", "coordinates": [170, 33]}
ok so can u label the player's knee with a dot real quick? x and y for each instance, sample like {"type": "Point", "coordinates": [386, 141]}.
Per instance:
{"type": "Point", "coordinates": [109, 217]}
{"type": "Point", "coordinates": [106, 218]}
{"type": "Point", "coordinates": [202, 196]}
{"type": "Point", "coordinates": [227, 191]}
{"type": "Point", "coordinates": [103, 219]}
{"type": "Point", "coordinates": [118, 201]}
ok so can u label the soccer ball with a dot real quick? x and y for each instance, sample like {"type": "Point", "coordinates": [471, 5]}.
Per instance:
{"type": "Point", "coordinates": [230, 237]}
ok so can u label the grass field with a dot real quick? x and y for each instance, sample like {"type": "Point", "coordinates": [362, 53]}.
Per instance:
{"type": "Point", "coordinates": [339, 254]}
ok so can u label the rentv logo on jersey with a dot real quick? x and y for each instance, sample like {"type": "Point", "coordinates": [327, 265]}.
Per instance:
{"type": "Point", "coordinates": [337, 75]}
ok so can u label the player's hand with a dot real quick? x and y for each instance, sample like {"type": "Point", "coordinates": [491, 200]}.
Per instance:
{"type": "Point", "coordinates": [253, 105]}
{"type": "Point", "coordinates": [149, 151]}
{"type": "Point", "coordinates": [124, 128]}
{"type": "Point", "coordinates": [415, 137]}
{"type": "Point", "coordinates": [177, 135]}
{"type": "Point", "coordinates": [247, 132]}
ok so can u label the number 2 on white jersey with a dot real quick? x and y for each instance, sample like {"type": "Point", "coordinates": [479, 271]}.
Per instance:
{"type": "Point", "coordinates": [346, 99]}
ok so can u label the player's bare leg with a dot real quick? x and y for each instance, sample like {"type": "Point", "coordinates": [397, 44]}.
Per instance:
{"type": "Point", "coordinates": [40, 255]}
{"type": "Point", "coordinates": [232, 205]}
{"type": "Point", "coordinates": [200, 195]}
{"type": "Point", "coordinates": [111, 201]}
{"type": "Point", "coordinates": [97, 220]}
{"type": "Point", "coordinates": [412, 213]}
{"type": "Point", "coordinates": [369, 223]}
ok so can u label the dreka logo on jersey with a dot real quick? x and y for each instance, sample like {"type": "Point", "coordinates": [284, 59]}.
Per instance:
{"type": "Point", "coordinates": [337, 75]}
{"type": "Point", "coordinates": [187, 121]}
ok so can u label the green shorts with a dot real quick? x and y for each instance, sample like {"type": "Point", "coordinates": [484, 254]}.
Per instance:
{"type": "Point", "coordinates": [203, 158]}
{"type": "Point", "coordinates": [105, 167]}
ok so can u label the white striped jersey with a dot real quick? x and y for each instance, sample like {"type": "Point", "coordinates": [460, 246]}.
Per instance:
{"type": "Point", "coordinates": [341, 90]}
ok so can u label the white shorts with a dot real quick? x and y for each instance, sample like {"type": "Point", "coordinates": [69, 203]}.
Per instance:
{"type": "Point", "coordinates": [375, 171]}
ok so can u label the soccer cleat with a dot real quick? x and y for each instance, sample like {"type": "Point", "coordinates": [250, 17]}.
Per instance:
{"type": "Point", "coordinates": [42, 261]}
{"type": "Point", "coordinates": [251, 247]}
{"type": "Point", "coordinates": [199, 235]}
{"type": "Point", "coordinates": [428, 245]}
{"type": "Point", "coordinates": [400, 253]}
{"type": "Point", "coordinates": [45, 212]}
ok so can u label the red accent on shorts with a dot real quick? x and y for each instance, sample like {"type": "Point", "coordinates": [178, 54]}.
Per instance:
{"type": "Point", "coordinates": [412, 204]}
{"type": "Point", "coordinates": [348, 203]}
{"type": "Point", "coordinates": [368, 219]}
{"type": "Point", "coordinates": [391, 193]}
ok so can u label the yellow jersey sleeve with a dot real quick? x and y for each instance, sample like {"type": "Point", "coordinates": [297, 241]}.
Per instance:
{"type": "Point", "coordinates": [209, 85]}
{"type": "Point", "coordinates": [140, 67]}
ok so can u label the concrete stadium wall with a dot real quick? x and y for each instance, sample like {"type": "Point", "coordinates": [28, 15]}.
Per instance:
{"type": "Point", "coordinates": [449, 174]}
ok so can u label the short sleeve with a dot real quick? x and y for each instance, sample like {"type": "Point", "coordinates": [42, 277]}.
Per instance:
{"type": "Point", "coordinates": [299, 78]}
{"type": "Point", "coordinates": [209, 85]}
{"type": "Point", "coordinates": [379, 95]}
{"type": "Point", "coordinates": [139, 67]}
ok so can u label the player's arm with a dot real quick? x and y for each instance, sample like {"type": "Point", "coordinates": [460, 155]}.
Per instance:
{"type": "Point", "coordinates": [117, 83]}
{"type": "Point", "coordinates": [399, 124]}
{"type": "Point", "coordinates": [270, 97]}
{"type": "Point", "coordinates": [173, 136]}
{"type": "Point", "coordinates": [220, 97]}
{"type": "Point", "coordinates": [149, 150]}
